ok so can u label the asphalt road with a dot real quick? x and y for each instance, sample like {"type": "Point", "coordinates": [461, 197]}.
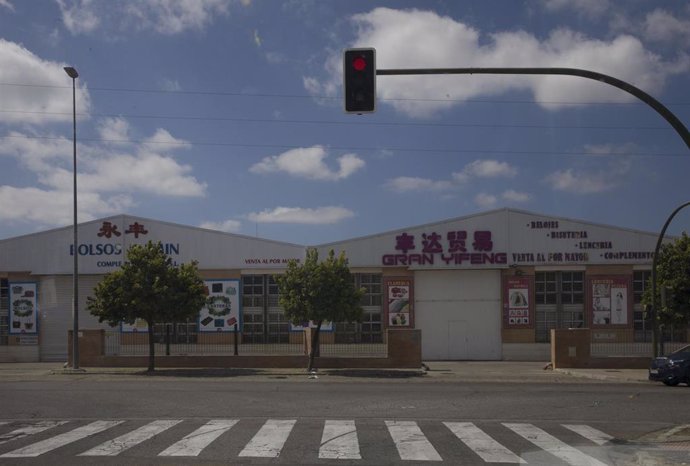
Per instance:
{"type": "Point", "coordinates": [365, 421]}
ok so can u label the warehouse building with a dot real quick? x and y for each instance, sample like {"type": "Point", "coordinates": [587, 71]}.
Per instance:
{"type": "Point", "coordinates": [488, 286]}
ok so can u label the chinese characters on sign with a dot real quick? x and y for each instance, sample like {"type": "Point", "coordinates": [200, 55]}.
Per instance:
{"type": "Point", "coordinates": [609, 301]}
{"type": "Point", "coordinates": [399, 302]}
{"type": "Point", "coordinates": [23, 308]}
{"type": "Point", "coordinates": [453, 249]}
{"type": "Point", "coordinates": [516, 302]}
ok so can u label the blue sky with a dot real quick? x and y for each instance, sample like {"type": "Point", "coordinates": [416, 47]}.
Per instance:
{"type": "Point", "coordinates": [227, 114]}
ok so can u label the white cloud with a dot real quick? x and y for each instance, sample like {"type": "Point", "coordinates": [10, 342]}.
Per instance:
{"type": "Point", "coordinates": [407, 183]}
{"type": "Point", "coordinates": [485, 201]}
{"type": "Point", "coordinates": [579, 182]}
{"type": "Point", "coordinates": [435, 41]}
{"type": "Point", "coordinates": [114, 130]}
{"type": "Point", "coordinates": [589, 8]}
{"type": "Point", "coordinates": [108, 176]}
{"type": "Point", "coordinates": [515, 196]}
{"type": "Point", "coordinates": [7, 4]}
{"type": "Point", "coordinates": [54, 207]}
{"type": "Point", "coordinates": [41, 90]}
{"type": "Point", "coordinates": [308, 162]}
{"type": "Point", "coordinates": [162, 16]}
{"type": "Point", "coordinates": [79, 16]}
{"type": "Point", "coordinates": [662, 26]}
{"type": "Point", "coordinates": [228, 226]}
{"type": "Point", "coordinates": [300, 215]}
{"type": "Point", "coordinates": [485, 169]}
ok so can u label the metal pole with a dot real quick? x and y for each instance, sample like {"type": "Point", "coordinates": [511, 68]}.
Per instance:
{"type": "Point", "coordinates": [627, 87]}
{"type": "Point", "coordinates": [655, 324]}
{"type": "Point", "coordinates": [72, 73]}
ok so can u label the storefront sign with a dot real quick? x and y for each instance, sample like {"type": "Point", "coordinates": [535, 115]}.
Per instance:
{"type": "Point", "coordinates": [222, 309]}
{"type": "Point", "coordinates": [447, 249]}
{"type": "Point", "coordinates": [609, 301]}
{"type": "Point", "coordinates": [399, 302]}
{"type": "Point", "coordinates": [517, 302]}
{"type": "Point", "coordinates": [23, 309]}
{"type": "Point", "coordinates": [326, 326]}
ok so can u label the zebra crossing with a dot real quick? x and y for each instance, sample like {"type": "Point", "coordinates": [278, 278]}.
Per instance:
{"type": "Point", "coordinates": [338, 440]}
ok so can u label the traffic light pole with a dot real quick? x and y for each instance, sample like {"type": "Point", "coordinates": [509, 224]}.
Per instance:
{"type": "Point", "coordinates": [629, 88]}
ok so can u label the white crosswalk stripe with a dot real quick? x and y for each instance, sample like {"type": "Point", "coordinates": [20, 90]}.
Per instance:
{"type": "Point", "coordinates": [482, 444]}
{"type": "Point", "coordinates": [590, 433]}
{"type": "Point", "coordinates": [27, 430]}
{"type": "Point", "coordinates": [61, 440]}
{"type": "Point", "coordinates": [194, 443]}
{"type": "Point", "coordinates": [339, 441]}
{"type": "Point", "coordinates": [124, 442]}
{"type": "Point", "coordinates": [270, 439]}
{"type": "Point", "coordinates": [411, 442]}
{"type": "Point", "coordinates": [552, 445]}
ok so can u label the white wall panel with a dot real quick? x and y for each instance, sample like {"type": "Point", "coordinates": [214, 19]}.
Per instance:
{"type": "Point", "coordinates": [459, 313]}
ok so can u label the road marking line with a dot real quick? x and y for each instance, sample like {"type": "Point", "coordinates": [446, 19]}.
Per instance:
{"type": "Point", "coordinates": [552, 445]}
{"type": "Point", "coordinates": [58, 441]}
{"type": "Point", "coordinates": [411, 442]}
{"type": "Point", "coordinates": [195, 442]}
{"type": "Point", "coordinates": [118, 445]}
{"type": "Point", "coordinates": [590, 433]}
{"type": "Point", "coordinates": [25, 431]}
{"type": "Point", "coordinates": [270, 439]}
{"type": "Point", "coordinates": [339, 441]}
{"type": "Point", "coordinates": [482, 444]}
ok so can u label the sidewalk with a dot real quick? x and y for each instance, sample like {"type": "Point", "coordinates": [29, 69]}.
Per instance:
{"type": "Point", "coordinates": [434, 371]}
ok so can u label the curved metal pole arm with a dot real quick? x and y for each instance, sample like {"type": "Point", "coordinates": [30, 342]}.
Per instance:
{"type": "Point", "coordinates": [655, 328]}
{"type": "Point", "coordinates": [627, 87]}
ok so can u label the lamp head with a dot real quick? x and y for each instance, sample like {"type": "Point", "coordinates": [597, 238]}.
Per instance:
{"type": "Point", "coordinates": [71, 72]}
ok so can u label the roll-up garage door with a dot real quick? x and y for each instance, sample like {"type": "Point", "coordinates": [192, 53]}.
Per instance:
{"type": "Point", "coordinates": [459, 314]}
{"type": "Point", "coordinates": [55, 307]}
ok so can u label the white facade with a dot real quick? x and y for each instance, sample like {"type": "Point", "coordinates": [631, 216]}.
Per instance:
{"type": "Point", "coordinates": [459, 274]}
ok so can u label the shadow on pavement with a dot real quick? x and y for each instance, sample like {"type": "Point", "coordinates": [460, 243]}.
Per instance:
{"type": "Point", "coordinates": [373, 373]}
{"type": "Point", "coordinates": [201, 372]}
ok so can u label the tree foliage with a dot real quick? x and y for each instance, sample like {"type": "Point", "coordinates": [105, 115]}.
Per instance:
{"type": "Point", "coordinates": [148, 286]}
{"type": "Point", "coordinates": [318, 292]}
{"type": "Point", "coordinates": [673, 277]}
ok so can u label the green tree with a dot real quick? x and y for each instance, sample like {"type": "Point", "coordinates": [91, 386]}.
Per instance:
{"type": "Point", "coordinates": [673, 281]}
{"type": "Point", "coordinates": [148, 286]}
{"type": "Point", "coordinates": [319, 291]}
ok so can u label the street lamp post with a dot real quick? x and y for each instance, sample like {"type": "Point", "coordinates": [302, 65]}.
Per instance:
{"type": "Point", "coordinates": [72, 73]}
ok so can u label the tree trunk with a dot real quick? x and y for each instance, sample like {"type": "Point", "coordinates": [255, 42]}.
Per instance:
{"type": "Point", "coordinates": [314, 345]}
{"type": "Point", "coordinates": [152, 347]}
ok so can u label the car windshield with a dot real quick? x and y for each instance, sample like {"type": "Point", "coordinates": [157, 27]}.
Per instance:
{"type": "Point", "coordinates": [683, 353]}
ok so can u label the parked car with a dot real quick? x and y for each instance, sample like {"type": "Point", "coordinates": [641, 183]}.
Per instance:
{"type": "Point", "coordinates": [672, 369]}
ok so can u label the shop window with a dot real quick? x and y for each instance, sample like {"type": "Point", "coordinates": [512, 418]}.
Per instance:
{"type": "Point", "coordinates": [263, 319]}
{"type": "Point", "coordinates": [642, 323]}
{"type": "Point", "coordinates": [4, 311]}
{"type": "Point", "coordinates": [559, 302]}
{"type": "Point", "coordinates": [370, 329]}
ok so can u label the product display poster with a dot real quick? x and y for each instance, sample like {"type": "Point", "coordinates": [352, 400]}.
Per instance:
{"type": "Point", "coordinates": [517, 302]}
{"type": "Point", "coordinates": [326, 326]}
{"type": "Point", "coordinates": [222, 309]}
{"type": "Point", "coordinates": [609, 301]}
{"type": "Point", "coordinates": [23, 309]}
{"type": "Point", "coordinates": [139, 326]}
{"type": "Point", "coordinates": [399, 302]}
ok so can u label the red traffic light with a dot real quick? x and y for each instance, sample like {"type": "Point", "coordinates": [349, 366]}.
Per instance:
{"type": "Point", "coordinates": [359, 64]}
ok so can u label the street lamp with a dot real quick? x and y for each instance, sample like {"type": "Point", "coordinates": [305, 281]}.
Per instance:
{"type": "Point", "coordinates": [72, 73]}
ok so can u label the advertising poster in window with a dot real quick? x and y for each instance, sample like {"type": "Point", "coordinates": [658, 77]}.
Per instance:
{"type": "Point", "coordinates": [23, 309]}
{"type": "Point", "coordinates": [399, 302]}
{"type": "Point", "coordinates": [222, 309]}
{"type": "Point", "coordinates": [517, 302]}
{"type": "Point", "coordinates": [609, 301]}
{"type": "Point", "coordinates": [139, 326]}
{"type": "Point", "coordinates": [326, 326]}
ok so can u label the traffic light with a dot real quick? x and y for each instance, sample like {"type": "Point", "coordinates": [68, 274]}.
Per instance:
{"type": "Point", "coordinates": [359, 74]}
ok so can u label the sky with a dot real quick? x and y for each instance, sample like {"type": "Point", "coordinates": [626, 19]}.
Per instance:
{"type": "Point", "coordinates": [228, 114]}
